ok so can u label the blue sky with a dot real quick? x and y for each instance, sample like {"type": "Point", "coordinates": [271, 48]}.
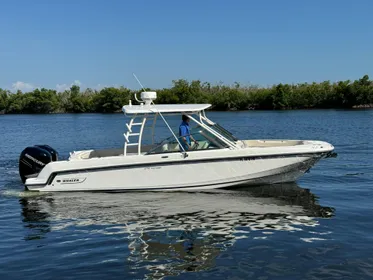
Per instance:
{"type": "Point", "coordinates": [54, 43]}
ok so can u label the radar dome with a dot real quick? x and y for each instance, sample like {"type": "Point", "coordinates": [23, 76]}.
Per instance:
{"type": "Point", "coordinates": [148, 97]}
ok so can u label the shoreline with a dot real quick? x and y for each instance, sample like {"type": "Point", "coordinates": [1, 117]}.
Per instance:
{"type": "Point", "coordinates": [348, 94]}
{"type": "Point", "coordinates": [354, 108]}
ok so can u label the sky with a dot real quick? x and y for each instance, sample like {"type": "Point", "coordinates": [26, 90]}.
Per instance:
{"type": "Point", "coordinates": [97, 43]}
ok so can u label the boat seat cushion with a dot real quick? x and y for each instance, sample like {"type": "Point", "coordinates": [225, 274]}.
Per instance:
{"type": "Point", "coordinates": [174, 147]}
{"type": "Point", "coordinates": [170, 147]}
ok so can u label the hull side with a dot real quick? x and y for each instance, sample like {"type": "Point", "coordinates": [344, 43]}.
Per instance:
{"type": "Point", "coordinates": [203, 175]}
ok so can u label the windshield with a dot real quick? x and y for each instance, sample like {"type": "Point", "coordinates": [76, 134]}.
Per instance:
{"type": "Point", "coordinates": [205, 141]}
{"type": "Point", "coordinates": [223, 132]}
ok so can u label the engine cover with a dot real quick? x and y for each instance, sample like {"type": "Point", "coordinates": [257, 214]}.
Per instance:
{"type": "Point", "coordinates": [33, 159]}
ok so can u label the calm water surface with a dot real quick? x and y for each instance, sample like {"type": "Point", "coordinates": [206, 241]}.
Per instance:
{"type": "Point", "coordinates": [318, 228]}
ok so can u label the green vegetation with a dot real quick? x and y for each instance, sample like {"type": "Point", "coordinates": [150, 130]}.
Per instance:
{"type": "Point", "coordinates": [344, 94]}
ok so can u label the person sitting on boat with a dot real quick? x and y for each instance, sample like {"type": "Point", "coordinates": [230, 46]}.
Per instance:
{"type": "Point", "coordinates": [184, 133]}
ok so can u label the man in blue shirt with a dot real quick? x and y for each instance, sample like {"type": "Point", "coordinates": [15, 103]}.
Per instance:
{"type": "Point", "coordinates": [184, 134]}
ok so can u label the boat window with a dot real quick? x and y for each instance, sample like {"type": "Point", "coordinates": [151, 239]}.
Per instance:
{"type": "Point", "coordinates": [218, 128]}
{"type": "Point", "coordinates": [206, 141]}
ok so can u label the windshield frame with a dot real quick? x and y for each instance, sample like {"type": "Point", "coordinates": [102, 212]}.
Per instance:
{"type": "Point", "coordinates": [224, 132]}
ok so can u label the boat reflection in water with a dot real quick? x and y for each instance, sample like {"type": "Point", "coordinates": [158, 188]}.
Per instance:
{"type": "Point", "coordinates": [173, 232]}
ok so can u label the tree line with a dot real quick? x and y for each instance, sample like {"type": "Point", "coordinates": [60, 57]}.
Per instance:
{"type": "Point", "coordinates": [342, 94]}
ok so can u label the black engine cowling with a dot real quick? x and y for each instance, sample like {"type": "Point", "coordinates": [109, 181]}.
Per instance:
{"type": "Point", "coordinates": [33, 159]}
{"type": "Point", "coordinates": [52, 151]}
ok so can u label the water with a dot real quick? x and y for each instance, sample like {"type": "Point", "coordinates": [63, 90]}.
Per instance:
{"type": "Point", "coordinates": [318, 228]}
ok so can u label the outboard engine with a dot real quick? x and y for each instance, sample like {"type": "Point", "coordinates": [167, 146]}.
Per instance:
{"type": "Point", "coordinates": [33, 159]}
{"type": "Point", "coordinates": [52, 151]}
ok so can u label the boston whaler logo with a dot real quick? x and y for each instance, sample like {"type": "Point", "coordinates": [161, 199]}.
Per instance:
{"type": "Point", "coordinates": [71, 180]}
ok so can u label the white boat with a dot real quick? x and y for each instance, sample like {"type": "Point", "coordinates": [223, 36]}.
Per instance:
{"type": "Point", "coordinates": [219, 160]}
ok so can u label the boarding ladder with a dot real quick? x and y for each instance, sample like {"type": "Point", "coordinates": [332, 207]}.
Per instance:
{"type": "Point", "coordinates": [143, 130]}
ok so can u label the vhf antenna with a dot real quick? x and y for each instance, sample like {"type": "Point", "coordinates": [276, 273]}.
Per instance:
{"type": "Point", "coordinates": [138, 81]}
{"type": "Point", "coordinates": [140, 85]}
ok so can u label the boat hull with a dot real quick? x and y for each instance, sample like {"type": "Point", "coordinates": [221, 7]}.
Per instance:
{"type": "Point", "coordinates": [183, 175]}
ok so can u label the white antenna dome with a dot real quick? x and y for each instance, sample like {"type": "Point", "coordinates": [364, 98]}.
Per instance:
{"type": "Point", "coordinates": [148, 97]}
